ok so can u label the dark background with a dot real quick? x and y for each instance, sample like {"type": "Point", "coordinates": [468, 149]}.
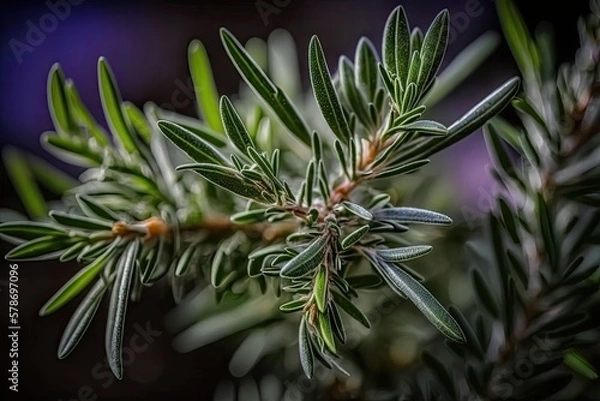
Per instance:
{"type": "Point", "coordinates": [146, 42]}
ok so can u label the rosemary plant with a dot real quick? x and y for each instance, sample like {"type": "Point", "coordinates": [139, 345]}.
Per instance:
{"type": "Point", "coordinates": [280, 198]}
{"type": "Point", "coordinates": [533, 330]}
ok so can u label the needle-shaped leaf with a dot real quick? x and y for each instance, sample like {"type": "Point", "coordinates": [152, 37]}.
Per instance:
{"type": "Point", "coordinates": [111, 104]}
{"type": "Point", "coordinates": [396, 45]}
{"type": "Point", "coordinates": [305, 349]}
{"type": "Point", "coordinates": [484, 293]}
{"type": "Point", "coordinates": [403, 254]}
{"type": "Point", "coordinates": [272, 95]}
{"type": "Point", "coordinates": [58, 104]}
{"type": "Point", "coordinates": [325, 94]}
{"type": "Point", "coordinates": [403, 169]}
{"type": "Point", "coordinates": [76, 284]}
{"type": "Point", "coordinates": [204, 85]}
{"type": "Point", "coordinates": [424, 127]}
{"type": "Point", "coordinates": [357, 210]}
{"type": "Point", "coordinates": [320, 287]}
{"type": "Point", "coordinates": [194, 146]}
{"type": "Point", "coordinates": [226, 178]}
{"type": "Point", "coordinates": [293, 305]}
{"type": "Point", "coordinates": [234, 126]}
{"type": "Point", "coordinates": [94, 209]}
{"type": "Point", "coordinates": [365, 62]}
{"type": "Point", "coordinates": [355, 236]}
{"type": "Point", "coordinates": [546, 225]}
{"type": "Point", "coordinates": [486, 109]}
{"type": "Point", "coordinates": [249, 217]}
{"type": "Point", "coordinates": [21, 176]}
{"type": "Point", "coordinates": [404, 215]}
{"type": "Point", "coordinates": [326, 332]}
{"type": "Point", "coordinates": [351, 93]}
{"type": "Point", "coordinates": [183, 263]}
{"type": "Point", "coordinates": [82, 115]}
{"type": "Point", "coordinates": [28, 230]}
{"type": "Point", "coordinates": [40, 248]}
{"type": "Point", "coordinates": [81, 319]}
{"type": "Point", "coordinates": [470, 122]}
{"type": "Point", "coordinates": [306, 260]}
{"type": "Point", "coordinates": [404, 284]}
{"type": "Point", "coordinates": [81, 222]}
{"type": "Point", "coordinates": [265, 166]}
{"type": "Point", "coordinates": [72, 150]}
{"type": "Point", "coordinates": [351, 309]}
{"type": "Point", "coordinates": [433, 49]}
{"type": "Point", "coordinates": [118, 308]}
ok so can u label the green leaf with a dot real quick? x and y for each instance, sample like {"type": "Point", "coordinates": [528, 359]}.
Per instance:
{"type": "Point", "coordinates": [94, 209]}
{"type": "Point", "coordinates": [309, 182]}
{"type": "Point", "coordinates": [550, 244]}
{"type": "Point", "coordinates": [576, 361]}
{"type": "Point", "coordinates": [293, 305]}
{"type": "Point", "coordinates": [365, 62]}
{"type": "Point", "coordinates": [23, 181]}
{"type": "Point", "coordinates": [396, 45]}
{"type": "Point", "coordinates": [72, 150]}
{"type": "Point", "coordinates": [82, 115]}
{"type": "Point", "coordinates": [265, 166]}
{"type": "Point", "coordinates": [72, 252]}
{"type": "Point", "coordinates": [484, 293]}
{"type": "Point", "coordinates": [76, 284]}
{"type": "Point", "coordinates": [326, 332]}
{"type": "Point", "coordinates": [470, 122]}
{"type": "Point", "coordinates": [526, 108]}
{"type": "Point", "coordinates": [403, 254]}
{"type": "Point", "coordinates": [234, 126]}
{"type": "Point", "coordinates": [339, 151]}
{"type": "Point", "coordinates": [517, 35]}
{"type": "Point", "coordinates": [82, 222]}
{"type": "Point", "coordinates": [50, 176]}
{"type": "Point", "coordinates": [403, 169]}
{"type": "Point", "coordinates": [28, 230]}
{"type": "Point", "coordinates": [433, 49]}
{"type": "Point", "coordinates": [139, 123]}
{"type": "Point", "coordinates": [306, 260]}
{"type": "Point", "coordinates": [321, 286]}
{"type": "Point", "coordinates": [424, 127]}
{"type": "Point", "coordinates": [355, 236]}
{"type": "Point", "coordinates": [81, 319]}
{"type": "Point", "coordinates": [351, 92]}
{"type": "Point", "coordinates": [226, 178]}
{"type": "Point", "coordinates": [272, 95]}
{"type": "Point", "coordinates": [194, 146]}
{"type": "Point", "coordinates": [204, 85]}
{"type": "Point", "coordinates": [41, 248]}
{"type": "Point", "coordinates": [325, 94]}
{"type": "Point", "coordinates": [403, 283]}
{"type": "Point", "coordinates": [351, 309]}
{"type": "Point", "coordinates": [183, 263]}
{"type": "Point", "coordinates": [509, 220]}
{"type": "Point", "coordinates": [305, 349]}
{"type": "Point", "coordinates": [357, 210]}
{"type": "Point", "coordinates": [149, 267]}
{"type": "Point", "coordinates": [57, 102]}
{"type": "Point", "coordinates": [249, 217]}
{"type": "Point", "coordinates": [111, 104]}
{"type": "Point", "coordinates": [404, 215]}
{"type": "Point", "coordinates": [118, 308]}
